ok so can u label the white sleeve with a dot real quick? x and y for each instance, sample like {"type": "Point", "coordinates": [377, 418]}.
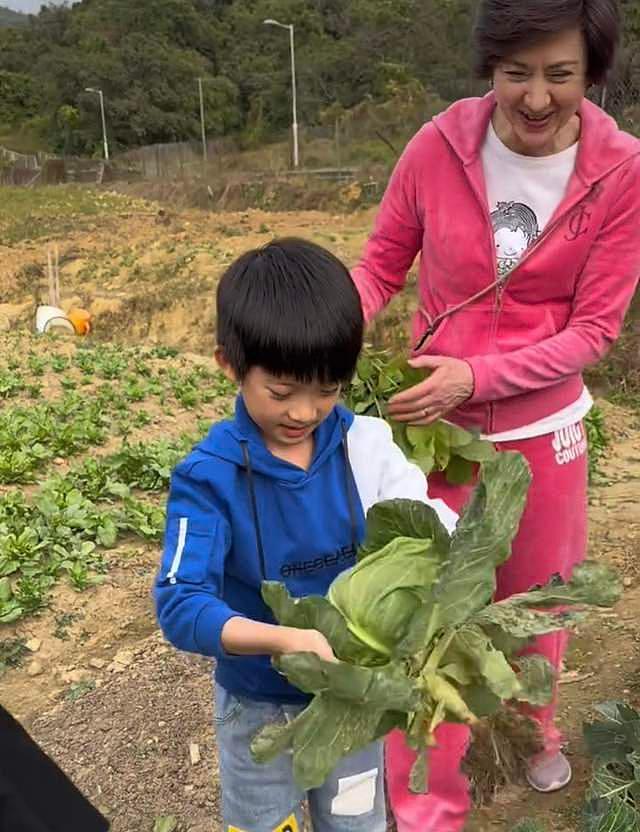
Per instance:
{"type": "Point", "coordinates": [382, 472]}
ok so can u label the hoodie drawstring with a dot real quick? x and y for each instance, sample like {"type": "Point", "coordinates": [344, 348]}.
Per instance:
{"type": "Point", "coordinates": [254, 509]}
{"type": "Point", "coordinates": [350, 484]}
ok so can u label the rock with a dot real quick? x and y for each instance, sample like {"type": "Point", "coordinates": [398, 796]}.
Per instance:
{"type": "Point", "coordinates": [74, 677]}
{"type": "Point", "coordinates": [35, 668]}
{"type": "Point", "coordinates": [194, 753]}
{"type": "Point", "coordinates": [626, 582]}
{"type": "Point", "coordinates": [123, 657]}
{"type": "Point", "coordinates": [97, 663]}
{"type": "Point", "coordinates": [34, 644]}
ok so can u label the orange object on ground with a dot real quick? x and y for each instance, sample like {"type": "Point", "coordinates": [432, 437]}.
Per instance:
{"type": "Point", "coordinates": [81, 320]}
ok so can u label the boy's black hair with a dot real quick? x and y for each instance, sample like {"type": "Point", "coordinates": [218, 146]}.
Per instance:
{"type": "Point", "coordinates": [503, 27]}
{"type": "Point", "coordinates": [291, 308]}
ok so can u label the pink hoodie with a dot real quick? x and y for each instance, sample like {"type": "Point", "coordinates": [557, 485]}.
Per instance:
{"type": "Point", "coordinates": [528, 340]}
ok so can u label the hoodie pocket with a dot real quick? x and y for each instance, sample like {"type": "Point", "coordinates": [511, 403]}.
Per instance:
{"type": "Point", "coordinates": [187, 552]}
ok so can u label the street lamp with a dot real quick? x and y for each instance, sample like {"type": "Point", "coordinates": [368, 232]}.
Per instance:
{"type": "Point", "coordinates": [104, 121]}
{"type": "Point", "coordinates": [289, 26]}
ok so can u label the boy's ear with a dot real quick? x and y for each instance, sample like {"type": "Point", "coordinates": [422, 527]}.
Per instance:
{"type": "Point", "coordinates": [224, 365]}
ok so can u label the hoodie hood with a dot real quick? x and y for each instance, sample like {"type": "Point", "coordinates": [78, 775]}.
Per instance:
{"type": "Point", "coordinates": [602, 145]}
{"type": "Point", "coordinates": [225, 441]}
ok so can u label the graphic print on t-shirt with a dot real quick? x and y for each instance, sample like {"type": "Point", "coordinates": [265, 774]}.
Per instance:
{"type": "Point", "coordinates": [515, 227]}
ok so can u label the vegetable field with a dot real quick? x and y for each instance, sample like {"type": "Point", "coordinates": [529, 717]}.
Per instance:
{"type": "Point", "coordinates": [89, 431]}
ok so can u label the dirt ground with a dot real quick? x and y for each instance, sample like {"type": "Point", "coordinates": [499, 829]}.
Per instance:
{"type": "Point", "coordinates": [125, 715]}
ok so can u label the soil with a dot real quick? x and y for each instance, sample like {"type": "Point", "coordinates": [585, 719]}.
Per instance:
{"type": "Point", "coordinates": [125, 715]}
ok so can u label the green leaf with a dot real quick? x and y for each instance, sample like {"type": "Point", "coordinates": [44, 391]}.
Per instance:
{"type": "Point", "coordinates": [459, 471]}
{"type": "Point", "coordinates": [592, 583]}
{"type": "Point", "coordinates": [537, 678]}
{"type": "Point", "coordinates": [422, 440]}
{"type": "Point", "coordinates": [382, 688]}
{"type": "Point", "coordinates": [523, 623]}
{"type": "Point", "coordinates": [404, 518]}
{"type": "Point", "coordinates": [478, 450]}
{"type": "Point", "coordinates": [482, 539]}
{"type": "Point", "coordinates": [274, 739]}
{"type": "Point", "coordinates": [399, 431]}
{"type": "Point", "coordinates": [442, 444]}
{"type": "Point", "coordinates": [319, 737]}
{"type": "Point", "coordinates": [316, 613]}
{"type": "Point", "coordinates": [601, 815]}
{"type": "Point", "coordinates": [481, 700]}
{"type": "Point", "coordinates": [5, 590]}
{"type": "Point", "coordinates": [612, 739]}
{"type": "Point", "coordinates": [472, 649]}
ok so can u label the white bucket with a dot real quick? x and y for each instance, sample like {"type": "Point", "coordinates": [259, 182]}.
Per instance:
{"type": "Point", "coordinates": [48, 317]}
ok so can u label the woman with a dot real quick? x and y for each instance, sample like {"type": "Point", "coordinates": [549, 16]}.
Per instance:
{"type": "Point", "coordinates": [524, 206]}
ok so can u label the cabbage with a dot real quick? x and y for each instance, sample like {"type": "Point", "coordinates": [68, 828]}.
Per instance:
{"type": "Point", "coordinates": [415, 631]}
{"type": "Point", "coordinates": [380, 596]}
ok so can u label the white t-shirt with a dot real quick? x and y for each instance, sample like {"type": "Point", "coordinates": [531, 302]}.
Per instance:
{"type": "Point", "coordinates": [523, 193]}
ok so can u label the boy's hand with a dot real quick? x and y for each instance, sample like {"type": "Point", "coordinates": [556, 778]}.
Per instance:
{"type": "Point", "coordinates": [243, 637]}
{"type": "Point", "coordinates": [295, 640]}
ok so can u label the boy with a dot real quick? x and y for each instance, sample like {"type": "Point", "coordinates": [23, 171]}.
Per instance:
{"type": "Point", "coordinates": [279, 492]}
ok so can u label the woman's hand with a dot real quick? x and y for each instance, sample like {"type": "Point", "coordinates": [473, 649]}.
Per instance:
{"type": "Point", "coordinates": [450, 384]}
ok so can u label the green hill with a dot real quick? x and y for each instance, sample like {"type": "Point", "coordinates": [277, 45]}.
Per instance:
{"type": "Point", "coordinates": [146, 56]}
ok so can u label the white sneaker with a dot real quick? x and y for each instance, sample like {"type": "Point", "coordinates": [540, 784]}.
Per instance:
{"type": "Point", "coordinates": [549, 773]}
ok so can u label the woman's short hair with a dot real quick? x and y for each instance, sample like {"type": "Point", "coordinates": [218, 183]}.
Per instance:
{"type": "Point", "coordinates": [503, 27]}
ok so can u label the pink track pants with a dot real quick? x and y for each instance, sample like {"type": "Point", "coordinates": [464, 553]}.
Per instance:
{"type": "Point", "coordinates": [552, 539]}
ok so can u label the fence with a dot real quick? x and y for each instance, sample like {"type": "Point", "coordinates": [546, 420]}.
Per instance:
{"type": "Point", "coordinates": [367, 137]}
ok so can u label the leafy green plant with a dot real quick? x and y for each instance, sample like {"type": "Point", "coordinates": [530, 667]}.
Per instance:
{"type": "Point", "coordinates": [79, 689]}
{"type": "Point", "coordinates": [62, 623]}
{"type": "Point", "coordinates": [31, 436]}
{"type": "Point", "coordinates": [613, 800]}
{"type": "Point", "coordinates": [13, 651]}
{"type": "Point", "coordinates": [11, 383]}
{"type": "Point", "coordinates": [597, 439]}
{"type": "Point", "coordinates": [417, 636]}
{"type": "Point", "coordinates": [441, 446]}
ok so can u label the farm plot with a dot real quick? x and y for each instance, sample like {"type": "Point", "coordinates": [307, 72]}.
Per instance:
{"type": "Point", "coordinates": [89, 431]}
{"type": "Point", "coordinates": [81, 505]}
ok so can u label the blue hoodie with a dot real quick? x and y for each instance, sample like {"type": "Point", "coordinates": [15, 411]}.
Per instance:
{"type": "Point", "coordinates": [309, 524]}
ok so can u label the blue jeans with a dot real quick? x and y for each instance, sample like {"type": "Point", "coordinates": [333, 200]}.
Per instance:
{"type": "Point", "coordinates": [265, 798]}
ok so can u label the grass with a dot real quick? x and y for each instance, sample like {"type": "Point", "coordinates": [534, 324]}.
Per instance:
{"type": "Point", "coordinates": [33, 213]}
